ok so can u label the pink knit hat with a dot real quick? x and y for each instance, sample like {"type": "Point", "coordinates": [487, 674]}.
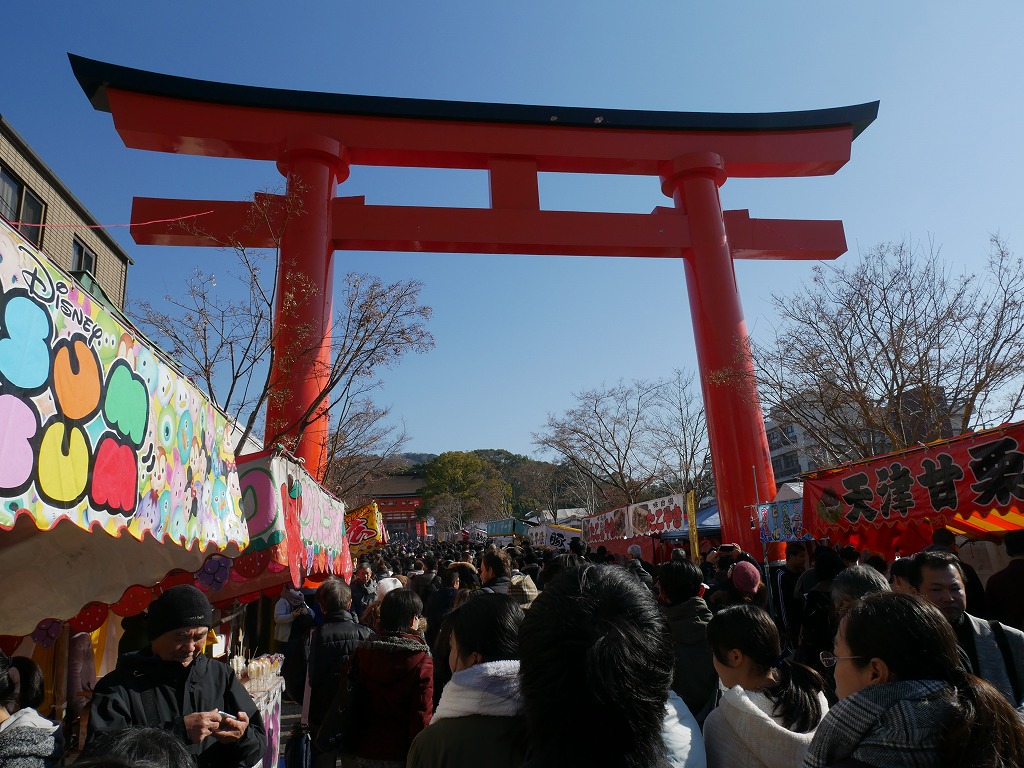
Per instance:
{"type": "Point", "coordinates": [746, 578]}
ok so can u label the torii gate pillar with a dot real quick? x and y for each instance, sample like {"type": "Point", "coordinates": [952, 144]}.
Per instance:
{"type": "Point", "coordinates": [736, 433]}
{"type": "Point", "coordinates": [301, 366]}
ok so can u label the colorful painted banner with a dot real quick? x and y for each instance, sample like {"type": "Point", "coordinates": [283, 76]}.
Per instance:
{"type": "Point", "coordinates": [98, 432]}
{"type": "Point", "coordinates": [97, 428]}
{"type": "Point", "coordinates": [974, 483]}
{"type": "Point", "coordinates": [293, 521]}
{"type": "Point", "coordinates": [365, 529]}
{"type": "Point", "coordinates": [783, 521]}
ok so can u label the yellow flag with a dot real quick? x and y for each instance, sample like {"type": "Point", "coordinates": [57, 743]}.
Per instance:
{"type": "Point", "coordinates": [691, 518]}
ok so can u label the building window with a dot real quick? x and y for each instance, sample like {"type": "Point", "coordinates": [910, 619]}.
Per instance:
{"type": "Point", "coordinates": [21, 204]}
{"type": "Point", "coordinates": [10, 196]}
{"type": "Point", "coordinates": [791, 461]}
{"type": "Point", "coordinates": [83, 260]}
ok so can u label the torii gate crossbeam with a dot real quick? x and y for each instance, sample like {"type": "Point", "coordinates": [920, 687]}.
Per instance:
{"type": "Point", "coordinates": [314, 138]}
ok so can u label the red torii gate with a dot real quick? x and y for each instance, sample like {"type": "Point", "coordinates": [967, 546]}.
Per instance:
{"type": "Point", "coordinates": [314, 138]}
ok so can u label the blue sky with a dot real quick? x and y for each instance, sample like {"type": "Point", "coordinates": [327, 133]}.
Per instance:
{"type": "Point", "coordinates": [516, 336]}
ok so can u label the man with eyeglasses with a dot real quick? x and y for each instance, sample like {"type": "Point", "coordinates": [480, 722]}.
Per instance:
{"type": "Point", "coordinates": [995, 651]}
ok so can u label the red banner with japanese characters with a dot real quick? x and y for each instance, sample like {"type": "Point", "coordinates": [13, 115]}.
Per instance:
{"type": "Point", "coordinates": [977, 479]}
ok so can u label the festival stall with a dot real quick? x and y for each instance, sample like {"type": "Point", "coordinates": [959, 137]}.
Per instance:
{"type": "Point", "coordinates": [115, 472]}
{"type": "Point", "coordinates": [972, 484]}
{"type": "Point", "coordinates": [296, 529]}
{"type": "Point", "coordinates": [114, 469]}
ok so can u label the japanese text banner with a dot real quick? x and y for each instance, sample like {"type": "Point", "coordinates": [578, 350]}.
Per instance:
{"type": "Point", "coordinates": [554, 536]}
{"type": "Point", "coordinates": [978, 476]}
{"type": "Point", "coordinates": [659, 515]}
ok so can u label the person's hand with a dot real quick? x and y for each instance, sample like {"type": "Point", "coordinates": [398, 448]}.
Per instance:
{"type": "Point", "coordinates": [199, 725]}
{"type": "Point", "coordinates": [232, 728]}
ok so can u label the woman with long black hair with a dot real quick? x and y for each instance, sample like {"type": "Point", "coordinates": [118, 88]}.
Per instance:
{"type": "Point", "coordinates": [478, 713]}
{"type": "Point", "coordinates": [905, 699]}
{"type": "Point", "coordinates": [768, 714]}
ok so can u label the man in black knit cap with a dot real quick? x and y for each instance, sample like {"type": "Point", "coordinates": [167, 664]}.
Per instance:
{"type": "Point", "coordinates": [171, 685]}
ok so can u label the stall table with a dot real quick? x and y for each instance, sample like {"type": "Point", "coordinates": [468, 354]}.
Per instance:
{"type": "Point", "coordinates": [267, 692]}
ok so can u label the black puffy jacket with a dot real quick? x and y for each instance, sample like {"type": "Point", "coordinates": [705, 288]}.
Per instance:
{"type": "Point", "coordinates": [173, 691]}
{"type": "Point", "coordinates": [330, 647]}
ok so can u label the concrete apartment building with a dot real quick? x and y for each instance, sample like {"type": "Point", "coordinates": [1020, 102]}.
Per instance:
{"type": "Point", "coordinates": [789, 445]}
{"type": "Point", "coordinates": [31, 193]}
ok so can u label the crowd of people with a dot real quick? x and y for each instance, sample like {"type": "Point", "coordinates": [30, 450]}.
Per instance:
{"type": "Point", "coordinates": [452, 654]}
{"type": "Point", "coordinates": [587, 658]}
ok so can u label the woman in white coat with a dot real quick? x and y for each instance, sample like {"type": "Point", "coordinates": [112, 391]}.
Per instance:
{"type": "Point", "coordinates": [771, 706]}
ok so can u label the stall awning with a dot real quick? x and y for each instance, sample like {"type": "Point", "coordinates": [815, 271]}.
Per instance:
{"type": "Point", "coordinates": [297, 527]}
{"type": "Point", "coordinates": [114, 469]}
{"type": "Point", "coordinates": [972, 484]}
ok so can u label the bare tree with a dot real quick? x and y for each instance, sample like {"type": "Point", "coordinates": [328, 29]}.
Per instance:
{"type": "Point", "coordinates": [896, 349]}
{"type": "Point", "coordinates": [224, 340]}
{"type": "Point", "coordinates": [364, 447]}
{"type": "Point", "coordinates": [576, 489]}
{"type": "Point", "coordinates": [679, 426]}
{"type": "Point", "coordinates": [608, 438]}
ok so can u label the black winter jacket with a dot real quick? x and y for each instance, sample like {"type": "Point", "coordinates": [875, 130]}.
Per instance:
{"type": "Point", "coordinates": [331, 646]}
{"type": "Point", "coordinates": [694, 678]}
{"type": "Point", "coordinates": [119, 703]}
{"type": "Point", "coordinates": [437, 608]}
{"type": "Point", "coordinates": [362, 597]}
